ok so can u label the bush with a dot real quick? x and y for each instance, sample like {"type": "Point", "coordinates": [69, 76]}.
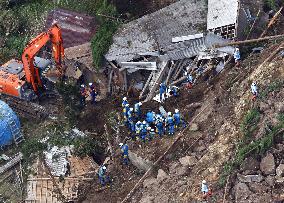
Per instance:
{"type": "Point", "coordinates": [9, 22]}
{"type": "Point", "coordinates": [249, 123]}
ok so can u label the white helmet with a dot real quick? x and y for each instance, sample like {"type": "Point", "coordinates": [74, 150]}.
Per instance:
{"type": "Point", "coordinates": [104, 167]}
{"type": "Point", "coordinates": [124, 99]}
{"type": "Point", "coordinates": [144, 122]}
{"type": "Point", "coordinates": [138, 122]}
{"type": "Point", "coordinates": [131, 109]}
{"type": "Point", "coordinates": [185, 73]}
{"type": "Point", "coordinates": [126, 104]}
{"type": "Point", "coordinates": [90, 84]}
{"type": "Point", "coordinates": [152, 129]}
{"type": "Point", "coordinates": [82, 85]}
{"type": "Point", "coordinates": [237, 49]}
{"type": "Point", "coordinates": [120, 144]}
{"type": "Point", "coordinates": [169, 113]}
{"type": "Point", "coordinates": [253, 84]}
{"type": "Point", "coordinates": [148, 128]}
{"type": "Point", "coordinates": [204, 181]}
{"type": "Point", "coordinates": [176, 110]}
{"type": "Point", "coordinates": [140, 103]}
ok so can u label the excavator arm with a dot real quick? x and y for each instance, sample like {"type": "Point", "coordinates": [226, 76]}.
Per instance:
{"type": "Point", "coordinates": [54, 36]}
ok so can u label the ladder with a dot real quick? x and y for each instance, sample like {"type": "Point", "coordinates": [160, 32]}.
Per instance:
{"type": "Point", "coordinates": [17, 135]}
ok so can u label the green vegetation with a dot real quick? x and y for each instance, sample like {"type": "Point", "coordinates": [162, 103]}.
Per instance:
{"type": "Point", "coordinates": [272, 87]}
{"type": "Point", "coordinates": [249, 123]}
{"type": "Point", "coordinates": [271, 4]}
{"type": "Point", "coordinates": [22, 21]}
{"type": "Point", "coordinates": [246, 147]}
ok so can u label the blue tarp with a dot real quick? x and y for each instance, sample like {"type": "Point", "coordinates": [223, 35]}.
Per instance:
{"type": "Point", "coordinates": [6, 116]}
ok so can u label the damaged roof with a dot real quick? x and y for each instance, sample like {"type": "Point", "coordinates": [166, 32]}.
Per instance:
{"type": "Point", "coordinates": [222, 13]}
{"type": "Point", "coordinates": [76, 28]}
{"type": "Point", "coordinates": [156, 30]}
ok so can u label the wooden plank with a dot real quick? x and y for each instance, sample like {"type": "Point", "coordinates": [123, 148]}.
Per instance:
{"type": "Point", "coordinates": [271, 22]}
{"type": "Point", "coordinates": [146, 84]}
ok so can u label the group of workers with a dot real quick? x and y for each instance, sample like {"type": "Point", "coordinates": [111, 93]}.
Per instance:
{"type": "Point", "coordinates": [153, 124]}
{"type": "Point", "coordinates": [88, 90]}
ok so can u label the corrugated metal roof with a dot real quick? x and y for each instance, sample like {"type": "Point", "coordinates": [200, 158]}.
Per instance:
{"type": "Point", "coordinates": [222, 13]}
{"type": "Point", "coordinates": [146, 34]}
{"type": "Point", "coordinates": [76, 28]}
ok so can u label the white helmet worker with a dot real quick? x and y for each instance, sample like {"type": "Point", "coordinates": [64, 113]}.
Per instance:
{"type": "Point", "coordinates": [124, 99]}
{"type": "Point", "coordinates": [204, 181]}
{"type": "Point", "coordinates": [169, 113]}
{"type": "Point", "coordinates": [120, 144]}
{"type": "Point", "coordinates": [176, 111]}
{"type": "Point", "coordinates": [237, 49]}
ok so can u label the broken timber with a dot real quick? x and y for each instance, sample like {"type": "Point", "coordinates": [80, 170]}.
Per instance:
{"type": "Point", "coordinates": [11, 163]}
{"type": "Point", "coordinates": [146, 85]}
{"type": "Point", "coordinates": [248, 41]}
{"type": "Point", "coordinates": [157, 78]}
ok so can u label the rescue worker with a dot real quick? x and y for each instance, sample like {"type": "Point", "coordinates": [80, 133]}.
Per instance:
{"type": "Point", "coordinates": [254, 91]}
{"type": "Point", "coordinates": [163, 89]}
{"type": "Point", "coordinates": [138, 127]}
{"type": "Point", "coordinates": [130, 118]}
{"type": "Point", "coordinates": [178, 120]}
{"type": "Point", "coordinates": [170, 124]}
{"type": "Point", "coordinates": [206, 191]}
{"type": "Point", "coordinates": [150, 117]}
{"type": "Point", "coordinates": [93, 93]}
{"type": "Point", "coordinates": [124, 102]}
{"type": "Point", "coordinates": [143, 133]}
{"type": "Point", "coordinates": [125, 114]}
{"type": "Point", "coordinates": [189, 81]}
{"type": "Point", "coordinates": [152, 134]}
{"type": "Point", "coordinates": [83, 94]}
{"type": "Point", "coordinates": [137, 110]}
{"type": "Point", "coordinates": [160, 126]}
{"type": "Point", "coordinates": [103, 178]}
{"type": "Point", "coordinates": [124, 153]}
{"type": "Point", "coordinates": [174, 90]}
{"type": "Point", "coordinates": [237, 57]}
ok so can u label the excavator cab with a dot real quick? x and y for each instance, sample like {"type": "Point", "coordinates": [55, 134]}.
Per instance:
{"type": "Point", "coordinates": [23, 79]}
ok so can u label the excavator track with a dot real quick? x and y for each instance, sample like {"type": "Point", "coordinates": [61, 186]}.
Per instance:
{"type": "Point", "coordinates": [47, 106]}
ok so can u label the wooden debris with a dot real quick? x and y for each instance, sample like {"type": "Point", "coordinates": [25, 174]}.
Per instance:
{"type": "Point", "coordinates": [272, 54]}
{"type": "Point", "coordinates": [146, 85]}
{"type": "Point", "coordinates": [272, 21]}
{"type": "Point", "coordinates": [11, 163]}
{"type": "Point", "coordinates": [108, 141]}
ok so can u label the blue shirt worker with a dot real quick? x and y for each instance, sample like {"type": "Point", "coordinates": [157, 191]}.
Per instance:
{"type": "Point", "coordinates": [174, 91]}
{"type": "Point", "coordinates": [138, 127]}
{"type": "Point", "coordinates": [163, 89]}
{"type": "Point", "coordinates": [150, 117]}
{"type": "Point", "coordinates": [143, 133]}
{"type": "Point", "coordinates": [124, 153]}
{"type": "Point", "coordinates": [160, 126]}
{"type": "Point", "coordinates": [237, 56]}
{"type": "Point", "coordinates": [125, 113]}
{"type": "Point", "coordinates": [83, 94]}
{"type": "Point", "coordinates": [254, 90]}
{"type": "Point", "coordinates": [170, 124]}
{"type": "Point", "coordinates": [205, 189]}
{"type": "Point", "coordinates": [178, 120]}
{"type": "Point", "coordinates": [137, 110]}
{"type": "Point", "coordinates": [152, 134]}
{"type": "Point", "coordinates": [124, 102]}
{"type": "Point", "coordinates": [130, 118]}
{"type": "Point", "coordinates": [103, 178]}
{"type": "Point", "coordinates": [189, 81]}
{"type": "Point", "coordinates": [93, 93]}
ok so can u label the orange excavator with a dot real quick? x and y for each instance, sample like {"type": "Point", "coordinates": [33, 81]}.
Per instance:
{"type": "Point", "coordinates": [22, 79]}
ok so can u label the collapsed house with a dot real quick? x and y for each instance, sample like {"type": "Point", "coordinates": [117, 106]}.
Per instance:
{"type": "Point", "coordinates": [158, 47]}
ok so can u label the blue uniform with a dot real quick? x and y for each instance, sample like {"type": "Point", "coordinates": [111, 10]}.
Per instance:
{"type": "Point", "coordinates": [103, 178]}
{"type": "Point", "coordinates": [150, 117]}
{"type": "Point", "coordinates": [237, 55]}
{"type": "Point", "coordinates": [131, 121]}
{"type": "Point", "coordinates": [137, 110]}
{"type": "Point", "coordinates": [124, 150]}
{"type": "Point", "coordinates": [171, 126]}
{"type": "Point", "coordinates": [125, 114]}
{"type": "Point", "coordinates": [160, 128]}
{"type": "Point", "coordinates": [143, 132]}
{"type": "Point", "coordinates": [94, 94]}
{"type": "Point", "coordinates": [82, 96]}
{"type": "Point", "coordinates": [174, 91]}
{"type": "Point", "coordinates": [124, 103]}
{"type": "Point", "coordinates": [138, 127]}
{"type": "Point", "coordinates": [163, 89]}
